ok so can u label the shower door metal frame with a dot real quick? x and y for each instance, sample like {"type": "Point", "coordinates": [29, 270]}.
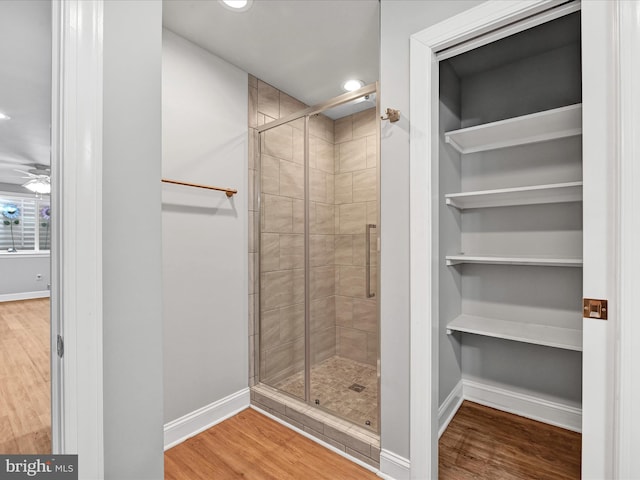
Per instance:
{"type": "Point", "coordinates": [306, 114]}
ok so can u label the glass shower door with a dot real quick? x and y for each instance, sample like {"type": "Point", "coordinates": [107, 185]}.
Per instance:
{"type": "Point", "coordinates": [281, 264]}
{"type": "Point", "coordinates": [343, 182]}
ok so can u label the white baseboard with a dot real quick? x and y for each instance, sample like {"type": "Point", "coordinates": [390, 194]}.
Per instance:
{"type": "Point", "coordinates": [394, 467]}
{"type": "Point", "coordinates": [449, 407]}
{"type": "Point", "coordinates": [12, 297]}
{"type": "Point", "coordinates": [180, 429]}
{"type": "Point", "coordinates": [528, 406]}
{"type": "Point", "coordinates": [316, 439]}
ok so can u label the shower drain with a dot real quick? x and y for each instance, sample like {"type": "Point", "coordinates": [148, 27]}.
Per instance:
{"type": "Point", "coordinates": [356, 388]}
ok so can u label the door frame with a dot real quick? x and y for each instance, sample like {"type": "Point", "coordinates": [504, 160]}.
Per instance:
{"type": "Point", "coordinates": [76, 148]}
{"type": "Point", "coordinates": [604, 258]}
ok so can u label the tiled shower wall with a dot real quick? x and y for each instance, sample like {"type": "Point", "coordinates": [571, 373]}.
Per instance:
{"type": "Point", "coordinates": [343, 196]}
{"type": "Point", "coordinates": [356, 197]}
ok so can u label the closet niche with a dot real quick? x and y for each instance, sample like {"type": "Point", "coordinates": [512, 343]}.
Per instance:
{"type": "Point", "coordinates": [510, 218]}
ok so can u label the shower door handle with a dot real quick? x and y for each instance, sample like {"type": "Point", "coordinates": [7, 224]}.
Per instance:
{"type": "Point", "coordinates": [368, 256]}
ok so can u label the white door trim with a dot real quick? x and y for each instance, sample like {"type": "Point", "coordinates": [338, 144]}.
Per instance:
{"type": "Point", "coordinates": [628, 418]}
{"type": "Point", "coordinates": [423, 207]}
{"type": "Point", "coordinates": [77, 176]}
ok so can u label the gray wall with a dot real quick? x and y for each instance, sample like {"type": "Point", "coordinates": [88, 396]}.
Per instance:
{"type": "Point", "coordinates": [204, 233]}
{"type": "Point", "coordinates": [18, 273]}
{"type": "Point", "coordinates": [399, 19]}
{"type": "Point", "coordinates": [132, 309]}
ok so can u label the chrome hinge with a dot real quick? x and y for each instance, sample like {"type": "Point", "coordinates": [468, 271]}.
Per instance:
{"type": "Point", "coordinates": [60, 346]}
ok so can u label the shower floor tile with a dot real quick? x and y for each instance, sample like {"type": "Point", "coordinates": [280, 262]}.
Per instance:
{"type": "Point", "coordinates": [345, 387]}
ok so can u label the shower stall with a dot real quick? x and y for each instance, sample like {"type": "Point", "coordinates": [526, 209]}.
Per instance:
{"type": "Point", "coordinates": [318, 316]}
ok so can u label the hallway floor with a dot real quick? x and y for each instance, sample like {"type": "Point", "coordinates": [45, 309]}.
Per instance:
{"type": "Point", "coordinates": [343, 386]}
{"type": "Point", "coordinates": [251, 446]}
{"type": "Point", "coordinates": [484, 443]}
{"type": "Point", "coordinates": [25, 418]}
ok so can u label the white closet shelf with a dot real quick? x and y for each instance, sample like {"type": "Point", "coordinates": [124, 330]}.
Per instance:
{"type": "Point", "coordinates": [566, 338]}
{"type": "Point", "coordinates": [532, 128]}
{"type": "Point", "coordinates": [532, 195]}
{"type": "Point", "coordinates": [515, 260]}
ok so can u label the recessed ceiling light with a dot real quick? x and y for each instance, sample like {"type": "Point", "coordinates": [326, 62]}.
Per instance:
{"type": "Point", "coordinates": [4, 116]}
{"type": "Point", "coordinates": [352, 85]}
{"type": "Point", "coordinates": [237, 5]}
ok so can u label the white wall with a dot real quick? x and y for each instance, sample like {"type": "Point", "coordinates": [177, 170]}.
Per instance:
{"type": "Point", "coordinates": [399, 19]}
{"type": "Point", "coordinates": [18, 275]}
{"type": "Point", "coordinates": [132, 308]}
{"type": "Point", "coordinates": [204, 233]}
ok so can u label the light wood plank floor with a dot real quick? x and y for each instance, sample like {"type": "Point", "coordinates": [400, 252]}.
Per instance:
{"type": "Point", "coordinates": [483, 443]}
{"type": "Point", "coordinates": [251, 446]}
{"type": "Point", "coordinates": [25, 411]}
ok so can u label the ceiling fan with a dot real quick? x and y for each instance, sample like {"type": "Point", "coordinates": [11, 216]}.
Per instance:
{"type": "Point", "coordinates": [39, 179]}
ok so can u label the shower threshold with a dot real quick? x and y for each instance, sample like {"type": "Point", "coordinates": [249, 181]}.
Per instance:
{"type": "Point", "coordinates": [354, 440]}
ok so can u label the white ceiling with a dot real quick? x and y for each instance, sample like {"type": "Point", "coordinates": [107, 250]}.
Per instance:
{"type": "Point", "coordinates": [25, 86]}
{"type": "Point", "coordinates": [306, 48]}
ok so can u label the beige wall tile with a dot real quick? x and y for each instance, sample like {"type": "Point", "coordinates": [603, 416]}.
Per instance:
{"type": "Point", "coordinates": [291, 322]}
{"type": "Point", "coordinates": [252, 315]}
{"type": "Point", "coordinates": [343, 129]}
{"type": "Point", "coordinates": [253, 107]}
{"type": "Point", "coordinates": [323, 345]}
{"type": "Point", "coordinates": [365, 315]}
{"type": "Point", "coordinates": [278, 214]}
{"type": "Point", "coordinates": [322, 282]}
{"type": "Point", "coordinates": [359, 250]}
{"type": "Point", "coordinates": [320, 250]}
{"type": "Point", "coordinates": [253, 270]}
{"type": "Point", "coordinates": [344, 311]}
{"type": "Point", "coordinates": [344, 250]}
{"type": "Point", "coordinates": [330, 180]}
{"type": "Point", "coordinates": [351, 282]}
{"type": "Point", "coordinates": [268, 100]}
{"type": "Point", "coordinates": [343, 188]}
{"type": "Point", "coordinates": [321, 127]}
{"type": "Point", "coordinates": [252, 197]}
{"type": "Point", "coordinates": [298, 216]}
{"type": "Point", "coordinates": [372, 212]}
{"type": "Point", "coordinates": [324, 156]}
{"type": "Point", "coordinates": [252, 231]}
{"type": "Point", "coordinates": [323, 313]}
{"type": "Point", "coordinates": [353, 155]}
{"type": "Point", "coordinates": [352, 344]}
{"type": "Point", "coordinates": [253, 81]}
{"type": "Point", "coordinates": [277, 289]}
{"type": "Point", "coordinates": [352, 218]}
{"type": "Point", "coordinates": [364, 123]}
{"type": "Point", "coordinates": [270, 252]}
{"type": "Point", "coordinates": [270, 328]}
{"type": "Point", "coordinates": [324, 219]}
{"type": "Point", "coordinates": [298, 146]}
{"type": "Point", "coordinates": [318, 186]}
{"type": "Point", "coordinates": [253, 151]}
{"type": "Point", "coordinates": [298, 285]}
{"type": "Point", "coordinates": [279, 362]}
{"type": "Point", "coordinates": [291, 251]}
{"type": "Point", "coordinates": [291, 179]}
{"type": "Point", "coordinates": [373, 348]}
{"type": "Point", "coordinates": [365, 185]}
{"type": "Point", "coordinates": [289, 105]}
{"type": "Point", "coordinates": [372, 151]}
{"type": "Point", "coordinates": [270, 172]}
{"type": "Point", "coordinates": [278, 142]}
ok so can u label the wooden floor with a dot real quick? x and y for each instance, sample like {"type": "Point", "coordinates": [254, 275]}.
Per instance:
{"type": "Point", "coordinates": [25, 421]}
{"type": "Point", "coordinates": [251, 446]}
{"type": "Point", "coordinates": [483, 443]}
